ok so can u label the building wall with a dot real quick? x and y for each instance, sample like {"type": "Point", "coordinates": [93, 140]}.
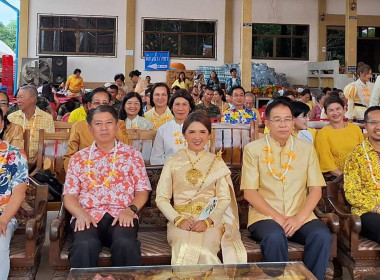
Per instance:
{"type": "Point", "coordinates": [94, 69]}
{"type": "Point", "coordinates": [195, 9]}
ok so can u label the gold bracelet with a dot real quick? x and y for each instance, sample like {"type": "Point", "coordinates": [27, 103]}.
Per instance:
{"type": "Point", "coordinates": [179, 221]}
{"type": "Point", "coordinates": [207, 223]}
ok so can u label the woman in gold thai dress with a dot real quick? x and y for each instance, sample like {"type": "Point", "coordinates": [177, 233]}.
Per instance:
{"type": "Point", "coordinates": [358, 93]}
{"type": "Point", "coordinates": [193, 177]}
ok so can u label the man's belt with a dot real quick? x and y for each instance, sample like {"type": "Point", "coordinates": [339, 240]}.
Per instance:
{"type": "Point", "coordinates": [195, 208]}
{"type": "Point", "coordinates": [360, 105]}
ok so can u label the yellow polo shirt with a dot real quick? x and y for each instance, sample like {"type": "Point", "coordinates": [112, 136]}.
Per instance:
{"type": "Point", "coordinates": [78, 114]}
{"type": "Point", "coordinates": [287, 196]}
{"type": "Point", "coordinates": [75, 84]}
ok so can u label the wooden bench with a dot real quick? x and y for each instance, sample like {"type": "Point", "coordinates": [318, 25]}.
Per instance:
{"type": "Point", "coordinates": [152, 232]}
{"type": "Point", "coordinates": [28, 239]}
{"type": "Point", "coordinates": [358, 254]}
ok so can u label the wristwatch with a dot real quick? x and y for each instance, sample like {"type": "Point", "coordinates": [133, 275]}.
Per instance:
{"type": "Point", "coordinates": [133, 208]}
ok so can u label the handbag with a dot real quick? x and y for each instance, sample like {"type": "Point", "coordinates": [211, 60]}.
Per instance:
{"type": "Point", "coordinates": [47, 177]}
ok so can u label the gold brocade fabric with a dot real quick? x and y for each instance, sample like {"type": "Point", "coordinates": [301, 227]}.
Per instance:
{"type": "Point", "coordinates": [14, 135]}
{"type": "Point", "coordinates": [200, 248]}
{"type": "Point", "coordinates": [333, 145]}
{"type": "Point", "coordinates": [359, 188]}
{"type": "Point", "coordinates": [359, 93]}
{"type": "Point", "coordinates": [288, 196]}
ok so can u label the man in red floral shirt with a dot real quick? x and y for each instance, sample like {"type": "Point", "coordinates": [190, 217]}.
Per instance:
{"type": "Point", "coordinates": [106, 185]}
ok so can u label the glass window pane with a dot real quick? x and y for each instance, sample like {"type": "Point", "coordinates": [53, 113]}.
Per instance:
{"type": "Point", "coordinates": [171, 26]}
{"type": "Point", "coordinates": [49, 22]}
{"type": "Point", "coordinates": [189, 45]}
{"type": "Point", "coordinates": [152, 25]}
{"type": "Point", "coordinates": [205, 46]}
{"type": "Point", "coordinates": [170, 43]}
{"type": "Point", "coordinates": [87, 23]}
{"type": "Point", "coordinates": [153, 42]}
{"type": "Point", "coordinates": [206, 27]}
{"type": "Point", "coordinates": [106, 23]}
{"type": "Point", "coordinates": [68, 22]}
{"type": "Point", "coordinates": [87, 42]}
{"type": "Point", "coordinates": [283, 47]}
{"type": "Point", "coordinates": [336, 50]}
{"type": "Point", "coordinates": [262, 47]}
{"type": "Point", "coordinates": [284, 29]}
{"type": "Point", "coordinates": [189, 26]}
{"type": "Point", "coordinates": [301, 30]}
{"type": "Point", "coordinates": [300, 48]}
{"type": "Point", "coordinates": [105, 43]}
{"type": "Point", "coordinates": [335, 32]}
{"type": "Point", "coordinates": [67, 41]}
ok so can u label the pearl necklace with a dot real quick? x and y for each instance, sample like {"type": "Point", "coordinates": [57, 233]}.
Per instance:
{"type": "Point", "coordinates": [89, 162]}
{"type": "Point", "coordinates": [269, 159]}
{"type": "Point", "coordinates": [369, 163]}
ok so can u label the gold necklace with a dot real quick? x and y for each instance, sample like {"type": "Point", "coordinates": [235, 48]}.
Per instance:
{"type": "Point", "coordinates": [193, 174]}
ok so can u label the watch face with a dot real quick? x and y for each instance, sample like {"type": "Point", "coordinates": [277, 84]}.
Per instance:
{"type": "Point", "coordinates": [133, 208]}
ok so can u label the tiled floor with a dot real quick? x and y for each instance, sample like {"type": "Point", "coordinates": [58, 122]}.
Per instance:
{"type": "Point", "coordinates": [46, 273]}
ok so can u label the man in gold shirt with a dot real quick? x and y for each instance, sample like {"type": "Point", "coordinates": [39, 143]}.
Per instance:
{"type": "Point", "coordinates": [80, 136]}
{"type": "Point", "coordinates": [282, 182]}
{"type": "Point", "coordinates": [29, 116]}
{"type": "Point", "coordinates": [362, 177]}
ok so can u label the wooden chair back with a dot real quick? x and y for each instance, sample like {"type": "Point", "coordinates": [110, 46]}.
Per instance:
{"type": "Point", "coordinates": [142, 140]}
{"type": "Point", "coordinates": [60, 125]}
{"type": "Point", "coordinates": [231, 139]}
{"type": "Point", "coordinates": [26, 137]}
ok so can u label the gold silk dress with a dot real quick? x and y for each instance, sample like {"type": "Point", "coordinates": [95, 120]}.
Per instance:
{"type": "Point", "coordinates": [190, 247]}
{"type": "Point", "coordinates": [358, 95]}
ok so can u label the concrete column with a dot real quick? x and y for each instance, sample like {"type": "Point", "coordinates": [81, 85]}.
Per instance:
{"type": "Point", "coordinates": [322, 34]}
{"type": "Point", "coordinates": [130, 37]}
{"type": "Point", "coordinates": [246, 43]}
{"type": "Point", "coordinates": [228, 38]}
{"type": "Point", "coordinates": [351, 40]}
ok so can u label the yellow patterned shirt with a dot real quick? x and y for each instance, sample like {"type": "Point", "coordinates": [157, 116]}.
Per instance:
{"type": "Point", "coordinates": [41, 120]}
{"type": "Point", "coordinates": [360, 189]}
{"type": "Point", "coordinates": [333, 145]}
{"type": "Point", "coordinates": [156, 119]}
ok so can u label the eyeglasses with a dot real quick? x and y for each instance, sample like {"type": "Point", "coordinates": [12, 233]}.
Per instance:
{"type": "Point", "coordinates": [373, 122]}
{"type": "Point", "coordinates": [3, 104]}
{"type": "Point", "coordinates": [286, 121]}
{"type": "Point", "coordinates": [97, 103]}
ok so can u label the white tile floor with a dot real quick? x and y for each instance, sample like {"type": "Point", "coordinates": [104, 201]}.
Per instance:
{"type": "Point", "coordinates": [46, 273]}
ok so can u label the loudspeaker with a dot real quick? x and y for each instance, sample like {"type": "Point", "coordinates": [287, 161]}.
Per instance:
{"type": "Point", "coordinates": [59, 68]}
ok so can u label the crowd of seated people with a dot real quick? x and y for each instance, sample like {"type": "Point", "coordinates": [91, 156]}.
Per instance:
{"type": "Point", "coordinates": [102, 168]}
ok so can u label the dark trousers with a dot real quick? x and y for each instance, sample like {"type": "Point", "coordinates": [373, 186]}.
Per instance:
{"type": "Point", "coordinates": [314, 235]}
{"type": "Point", "coordinates": [125, 248]}
{"type": "Point", "coordinates": [371, 226]}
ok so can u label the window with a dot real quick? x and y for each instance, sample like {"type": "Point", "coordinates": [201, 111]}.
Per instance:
{"type": "Point", "coordinates": [336, 43]}
{"type": "Point", "coordinates": [280, 41]}
{"type": "Point", "coordinates": [77, 35]}
{"type": "Point", "coordinates": [182, 38]}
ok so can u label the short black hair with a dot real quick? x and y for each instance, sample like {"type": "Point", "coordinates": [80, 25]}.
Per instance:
{"type": "Point", "coordinates": [325, 90]}
{"type": "Point", "coordinates": [122, 113]}
{"type": "Point", "coordinates": [299, 108]}
{"type": "Point", "coordinates": [97, 90]}
{"type": "Point", "coordinates": [277, 102]}
{"type": "Point", "coordinates": [287, 93]}
{"type": "Point", "coordinates": [70, 105]}
{"type": "Point", "coordinates": [184, 94]}
{"type": "Point", "coordinates": [119, 76]}
{"type": "Point", "coordinates": [332, 99]}
{"type": "Point", "coordinates": [233, 69]}
{"type": "Point", "coordinates": [113, 87]}
{"type": "Point", "coordinates": [306, 91]}
{"type": "Point", "coordinates": [86, 98]}
{"type": "Point", "coordinates": [236, 87]}
{"type": "Point", "coordinates": [156, 85]}
{"type": "Point", "coordinates": [210, 88]}
{"type": "Point", "coordinates": [369, 110]}
{"type": "Point", "coordinates": [77, 70]}
{"type": "Point", "coordinates": [101, 109]}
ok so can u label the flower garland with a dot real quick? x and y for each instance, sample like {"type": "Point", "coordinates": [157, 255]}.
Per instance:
{"type": "Point", "coordinates": [269, 160]}
{"type": "Point", "coordinates": [369, 163]}
{"type": "Point", "coordinates": [90, 174]}
{"type": "Point", "coordinates": [3, 158]}
{"type": "Point", "coordinates": [33, 129]}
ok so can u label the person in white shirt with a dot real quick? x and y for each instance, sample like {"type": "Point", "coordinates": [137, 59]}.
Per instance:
{"type": "Point", "coordinates": [169, 138]}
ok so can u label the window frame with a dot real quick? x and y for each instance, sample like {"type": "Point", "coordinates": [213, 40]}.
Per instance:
{"type": "Point", "coordinates": [77, 30]}
{"type": "Point", "coordinates": [275, 37]}
{"type": "Point", "coordinates": [181, 20]}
